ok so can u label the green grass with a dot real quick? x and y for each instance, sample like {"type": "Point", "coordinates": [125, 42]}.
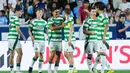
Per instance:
{"type": "Point", "coordinates": [80, 71]}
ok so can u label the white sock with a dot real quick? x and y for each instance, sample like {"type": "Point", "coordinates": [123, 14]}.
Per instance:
{"type": "Point", "coordinates": [11, 68]}
{"type": "Point", "coordinates": [18, 67]}
{"type": "Point", "coordinates": [55, 68]}
{"type": "Point", "coordinates": [103, 63]}
{"type": "Point", "coordinates": [89, 63]}
{"type": "Point", "coordinates": [96, 61]}
{"type": "Point", "coordinates": [40, 65]}
{"type": "Point", "coordinates": [33, 61]}
{"type": "Point", "coordinates": [50, 63]}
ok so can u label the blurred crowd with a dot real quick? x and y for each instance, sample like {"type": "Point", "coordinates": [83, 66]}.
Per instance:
{"type": "Point", "coordinates": [79, 9]}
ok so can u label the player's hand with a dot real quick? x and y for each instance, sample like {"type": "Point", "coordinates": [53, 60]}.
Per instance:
{"type": "Point", "coordinates": [86, 10]}
{"type": "Point", "coordinates": [32, 38]}
{"type": "Point", "coordinates": [93, 33]}
{"type": "Point", "coordinates": [24, 39]}
{"type": "Point", "coordinates": [69, 43]}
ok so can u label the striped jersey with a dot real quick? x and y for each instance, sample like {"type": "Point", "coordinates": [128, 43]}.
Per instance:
{"type": "Point", "coordinates": [14, 22]}
{"type": "Point", "coordinates": [55, 35]}
{"type": "Point", "coordinates": [37, 27]}
{"type": "Point", "coordinates": [102, 20]}
{"type": "Point", "coordinates": [69, 23]}
{"type": "Point", "coordinates": [91, 25]}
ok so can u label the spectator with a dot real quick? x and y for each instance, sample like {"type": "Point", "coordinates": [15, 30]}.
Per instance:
{"type": "Point", "coordinates": [12, 6]}
{"type": "Point", "coordinates": [19, 5]}
{"type": "Point", "coordinates": [76, 9]}
{"type": "Point", "coordinates": [109, 10]}
{"type": "Point", "coordinates": [124, 5]}
{"type": "Point", "coordinates": [116, 3]}
{"type": "Point", "coordinates": [127, 21]}
{"type": "Point", "coordinates": [54, 6]}
{"type": "Point", "coordinates": [83, 11]}
{"type": "Point", "coordinates": [92, 1]}
{"type": "Point", "coordinates": [104, 1]}
{"type": "Point", "coordinates": [3, 18]}
{"type": "Point", "coordinates": [72, 3]}
{"type": "Point", "coordinates": [30, 10]}
{"type": "Point", "coordinates": [68, 7]}
{"type": "Point", "coordinates": [121, 28]}
{"type": "Point", "coordinates": [3, 4]}
{"type": "Point", "coordinates": [115, 17]}
{"type": "Point", "coordinates": [41, 4]}
{"type": "Point", "coordinates": [47, 12]}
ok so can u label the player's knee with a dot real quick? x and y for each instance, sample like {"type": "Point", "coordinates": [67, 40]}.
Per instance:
{"type": "Point", "coordinates": [66, 54]}
{"type": "Point", "coordinates": [70, 54]}
{"type": "Point", "coordinates": [52, 54]}
{"type": "Point", "coordinates": [12, 56]}
{"type": "Point", "coordinates": [90, 56]}
{"type": "Point", "coordinates": [101, 53]}
{"type": "Point", "coordinates": [41, 56]}
{"type": "Point", "coordinates": [36, 56]}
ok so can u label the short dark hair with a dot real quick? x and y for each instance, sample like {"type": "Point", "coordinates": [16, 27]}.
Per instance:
{"type": "Point", "coordinates": [67, 11]}
{"type": "Point", "coordinates": [86, 2]}
{"type": "Point", "coordinates": [38, 9]}
{"type": "Point", "coordinates": [100, 5]}
{"type": "Point", "coordinates": [54, 9]}
{"type": "Point", "coordinates": [122, 15]}
{"type": "Point", "coordinates": [2, 11]}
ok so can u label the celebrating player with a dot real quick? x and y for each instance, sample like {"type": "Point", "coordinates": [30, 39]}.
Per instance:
{"type": "Point", "coordinates": [102, 37]}
{"type": "Point", "coordinates": [36, 32]}
{"type": "Point", "coordinates": [69, 40]}
{"type": "Point", "coordinates": [13, 41]}
{"type": "Point", "coordinates": [55, 38]}
{"type": "Point", "coordinates": [90, 29]}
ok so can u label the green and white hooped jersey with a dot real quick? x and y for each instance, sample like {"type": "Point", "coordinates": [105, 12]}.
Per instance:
{"type": "Point", "coordinates": [91, 25]}
{"type": "Point", "coordinates": [14, 22]}
{"type": "Point", "coordinates": [37, 26]}
{"type": "Point", "coordinates": [102, 20]}
{"type": "Point", "coordinates": [55, 35]}
{"type": "Point", "coordinates": [69, 23]}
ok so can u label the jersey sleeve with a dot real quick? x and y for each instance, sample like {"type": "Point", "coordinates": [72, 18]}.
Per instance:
{"type": "Point", "coordinates": [86, 24]}
{"type": "Point", "coordinates": [50, 22]}
{"type": "Point", "coordinates": [31, 24]}
{"type": "Point", "coordinates": [71, 23]}
{"type": "Point", "coordinates": [106, 21]}
{"type": "Point", "coordinates": [17, 22]}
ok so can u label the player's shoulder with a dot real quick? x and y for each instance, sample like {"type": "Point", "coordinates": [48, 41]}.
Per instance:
{"type": "Point", "coordinates": [71, 18]}
{"type": "Point", "coordinates": [50, 18]}
{"type": "Point", "coordinates": [44, 21]}
{"type": "Point", "coordinates": [104, 15]}
{"type": "Point", "coordinates": [13, 17]}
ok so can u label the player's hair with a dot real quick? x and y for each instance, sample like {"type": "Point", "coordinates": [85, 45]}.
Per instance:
{"type": "Point", "coordinates": [54, 9]}
{"type": "Point", "coordinates": [67, 11]}
{"type": "Point", "coordinates": [100, 5]}
{"type": "Point", "coordinates": [38, 9]}
{"type": "Point", "coordinates": [86, 2]}
{"type": "Point", "coordinates": [122, 15]}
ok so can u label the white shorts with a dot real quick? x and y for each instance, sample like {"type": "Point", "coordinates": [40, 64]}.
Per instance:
{"type": "Point", "coordinates": [101, 47]}
{"type": "Point", "coordinates": [91, 47]}
{"type": "Point", "coordinates": [68, 48]}
{"type": "Point", "coordinates": [55, 46]}
{"type": "Point", "coordinates": [14, 44]}
{"type": "Point", "coordinates": [39, 46]}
